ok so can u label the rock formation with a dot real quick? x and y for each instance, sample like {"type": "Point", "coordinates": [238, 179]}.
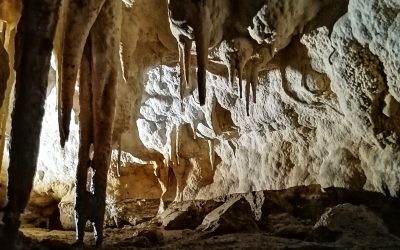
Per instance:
{"type": "Point", "coordinates": [4, 72]}
{"type": "Point", "coordinates": [32, 62]}
{"type": "Point", "coordinates": [321, 102]}
{"type": "Point", "coordinates": [92, 34]}
{"type": "Point", "coordinates": [10, 12]}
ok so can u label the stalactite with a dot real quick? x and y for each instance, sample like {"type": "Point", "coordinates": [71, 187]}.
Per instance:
{"type": "Point", "coordinates": [179, 173]}
{"type": "Point", "coordinates": [202, 22]}
{"type": "Point", "coordinates": [177, 144]}
{"type": "Point", "coordinates": [258, 62]}
{"type": "Point", "coordinates": [5, 107]}
{"type": "Point", "coordinates": [3, 32]}
{"type": "Point", "coordinates": [179, 165]}
{"type": "Point", "coordinates": [185, 46]}
{"type": "Point", "coordinates": [235, 54]}
{"type": "Point", "coordinates": [4, 72]}
{"type": "Point", "coordinates": [187, 62]}
{"type": "Point", "coordinates": [182, 84]}
{"type": "Point", "coordinates": [10, 13]}
{"type": "Point", "coordinates": [119, 156]}
{"type": "Point", "coordinates": [233, 147]}
{"type": "Point", "coordinates": [99, 76]}
{"type": "Point", "coordinates": [193, 125]}
{"type": "Point", "coordinates": [247, 94]}
{"type": "Point", "coordinates": [173, 146]}
{"type": "Point", "coordinates": [80, 19]}
{"type": "Point", "coordinates": [202, 39]}
{"type": "Point", "coordinates": [211, 148]}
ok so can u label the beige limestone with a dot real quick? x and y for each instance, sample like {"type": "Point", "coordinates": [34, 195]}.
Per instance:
{"type": "Point", "coordinates": [326, 110]}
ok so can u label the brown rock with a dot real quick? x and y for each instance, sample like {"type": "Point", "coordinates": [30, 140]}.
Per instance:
{"type": "Point", "coordinates": [187, 215]}
{"type": "Point", "coordinates": [235, 215]}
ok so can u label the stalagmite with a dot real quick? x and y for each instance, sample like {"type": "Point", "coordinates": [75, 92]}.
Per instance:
{"type": "Point", "coordinates": [33, 44]}
{"type": "Point", "coordinates": [161, 171]}
{"type": "Point", "coordinates": [179, 168]}
{"type": "Point", "coordinates": [179, 173]}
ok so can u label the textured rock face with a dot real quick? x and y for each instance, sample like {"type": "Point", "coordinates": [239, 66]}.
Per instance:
{"type": "Point", "coordinates": [362, 222]}
{"type": "Point", "coordinates": [325, 81]}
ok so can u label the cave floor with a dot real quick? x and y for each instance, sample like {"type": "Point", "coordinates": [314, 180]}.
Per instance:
{"type": "Point", "coordinates": [134, 238]}
{"type": "Point", "coordinates": [175, 239]}
{"type": "Point", "coordinates": [296, 218]}
{"type": "Point", "coordinates": [287, 235]}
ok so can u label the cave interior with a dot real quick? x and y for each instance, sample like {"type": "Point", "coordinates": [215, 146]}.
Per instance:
{"type": "Point", "coordinates": [205, 124]}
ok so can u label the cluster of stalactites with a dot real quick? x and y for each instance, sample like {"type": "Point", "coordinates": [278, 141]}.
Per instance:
{"type": "Point", "coordinates": [246, 35]}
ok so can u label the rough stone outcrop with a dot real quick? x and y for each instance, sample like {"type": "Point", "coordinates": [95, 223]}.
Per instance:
{"type": "Point", "coordinates": [346, 224]}
{"type": "Point", "coordinates": [337, 217]}
{"type": "Point", "coordinates": [235, 215]}
{"type": "Point", "coordinates": [187, 214]}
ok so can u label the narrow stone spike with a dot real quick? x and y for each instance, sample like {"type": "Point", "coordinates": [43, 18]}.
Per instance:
{"type": "Point", "coordinates": [231, 72]}
{"type": "Point", "coordinates": [240, 76]}
{"type": "Point", "coordinates": [202, 40]}
{"type": "Point", "coordinates": [247, 93]}
{"type": "Point", "coordinates": [172, 141]}
{"type": "Point", "coordinates": [211, 148]}
{"type": "Point", "coordinates": [177, 144]}
{"type": "Point", "coordinates": [182, 73]}
{"type": "Point", "coordinates": [187, 46]}
{"type": "Point", "coordinates": [254, 82]}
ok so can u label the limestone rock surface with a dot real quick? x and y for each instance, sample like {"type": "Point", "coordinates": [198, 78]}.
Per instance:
{"type": "Point", "coordinates": [325, 86]}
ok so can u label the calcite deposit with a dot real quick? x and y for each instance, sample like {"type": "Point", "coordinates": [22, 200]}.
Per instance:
{"type": "Point", "coordinates": [215, 98]}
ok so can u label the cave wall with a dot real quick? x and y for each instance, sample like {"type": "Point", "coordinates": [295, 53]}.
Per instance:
{"type": "Point", "coordinates": [326, 113]}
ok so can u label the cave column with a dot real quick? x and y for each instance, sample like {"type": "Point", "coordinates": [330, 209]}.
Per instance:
{"type": "Point", "coordinates": [34, 43]}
